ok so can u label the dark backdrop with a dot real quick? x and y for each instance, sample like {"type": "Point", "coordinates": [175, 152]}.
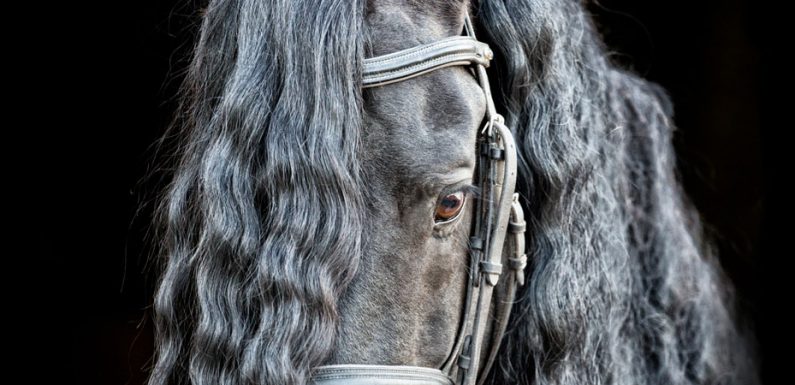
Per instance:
{"type": "Point", "coordinates": [112, 71]}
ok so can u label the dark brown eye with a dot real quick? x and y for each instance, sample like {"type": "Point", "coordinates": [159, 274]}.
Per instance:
{"type": "Point", "coordinates": [449, 206]}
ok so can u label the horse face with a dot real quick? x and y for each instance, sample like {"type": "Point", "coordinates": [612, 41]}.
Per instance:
{"type": "Point", "coordinates": [405, 304]}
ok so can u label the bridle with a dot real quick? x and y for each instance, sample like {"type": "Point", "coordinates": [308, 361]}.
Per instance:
{"type": "Point", "coordinates": [497, 214]}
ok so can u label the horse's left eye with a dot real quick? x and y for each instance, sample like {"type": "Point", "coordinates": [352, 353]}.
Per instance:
{"type": "Point", "coordinates": [449, 207]}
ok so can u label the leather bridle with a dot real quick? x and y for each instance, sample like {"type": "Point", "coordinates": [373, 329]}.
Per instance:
{"type": "Point", "coordinates": [497, 215]}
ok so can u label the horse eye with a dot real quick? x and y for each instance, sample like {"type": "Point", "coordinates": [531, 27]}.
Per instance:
{"type": "Point", "coordinates": [449, 207]}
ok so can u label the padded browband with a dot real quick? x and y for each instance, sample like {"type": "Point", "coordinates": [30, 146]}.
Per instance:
{"type": "Point", "coordinates": [406, 64]}
{"type": "Point", "coordinates": [379, 375]}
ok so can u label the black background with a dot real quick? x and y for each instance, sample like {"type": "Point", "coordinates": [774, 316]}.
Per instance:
{"type": "Point", "coordinates": [109, 72]}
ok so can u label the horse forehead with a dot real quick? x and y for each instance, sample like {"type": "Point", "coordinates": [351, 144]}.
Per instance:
{"type": "Point", "coordinates": [394, 25]}
{"type": "Point", "coordinates": [425, 125]}
{"type": "Point", "coordinates": [447, 97]}
{"type": "Point", "coordinates": [426, 121]}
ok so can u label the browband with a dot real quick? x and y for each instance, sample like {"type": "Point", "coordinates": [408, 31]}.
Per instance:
{"type": "Point", "coordinates": [406, 64]}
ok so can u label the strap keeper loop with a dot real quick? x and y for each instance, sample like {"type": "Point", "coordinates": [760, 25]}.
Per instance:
{"type": "Point", "coordinates": [496, 153]}
{"type": "Point", "coordinates": [492, 271]}
{"type": "Point", "coordinates": [476, 243]}
{"type": "Point", "coordinates": [517, 265]}
{"type": "Point", "coordinates": [464, 362]}
{"type": "Point", "coordinates": [517, 227]}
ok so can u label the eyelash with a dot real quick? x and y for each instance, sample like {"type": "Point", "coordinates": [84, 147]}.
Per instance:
{"type": "Point", "coordinates": [469, 190]}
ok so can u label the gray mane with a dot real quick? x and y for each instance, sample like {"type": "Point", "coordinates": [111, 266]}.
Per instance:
{"type": "Point", "coordinates": [262, 217]}
{"type": "Point", "coordinates": [623, 289]}
{"type": "Point", "coordinates": [262, 228]}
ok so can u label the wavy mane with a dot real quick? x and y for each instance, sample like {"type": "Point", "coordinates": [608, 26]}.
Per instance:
{"type": "Point", "coordinates": [261, 226]}
{"type": "Point", "coordinates": [623, 290]}
{"type": "Point", "coordinates": [262, 219]}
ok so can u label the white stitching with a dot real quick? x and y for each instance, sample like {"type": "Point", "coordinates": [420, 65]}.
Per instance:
{"type": "Point", "coordinates": [422, 48]}
{"type": "Point", "coordinates": [442, 60]}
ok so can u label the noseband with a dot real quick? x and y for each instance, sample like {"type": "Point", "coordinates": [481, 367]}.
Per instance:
{"type": "Point", "coordinates": [498, 215]}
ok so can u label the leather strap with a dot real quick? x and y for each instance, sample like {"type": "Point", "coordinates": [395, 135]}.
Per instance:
{"type": "Point", "coordinates": [504, 187]}
{"type": "Point", "coordinates": [517, 261]}
{"type": "Point", "coordinates": [416, 61]}
{"type": "Point", "coordinates": [378, 375]}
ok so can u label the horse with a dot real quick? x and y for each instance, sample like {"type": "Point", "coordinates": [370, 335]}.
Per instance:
{"type": "Point", "coordinates": [326, 217]}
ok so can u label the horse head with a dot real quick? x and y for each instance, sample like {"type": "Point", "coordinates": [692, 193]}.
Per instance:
{"type": "Point", "coordinates": [343, 205]}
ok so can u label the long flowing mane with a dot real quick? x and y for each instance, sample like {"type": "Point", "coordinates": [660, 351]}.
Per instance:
{"type": "Point", "coordinates": [262, 217]}
{"type": "Point", "coordinates": [623, 289]}
{"type": "Point", "coordinates": [262, 228]}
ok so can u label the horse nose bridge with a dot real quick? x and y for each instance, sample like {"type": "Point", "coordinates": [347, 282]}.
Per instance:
{"type": "Point", "coordinates": [454, 100]}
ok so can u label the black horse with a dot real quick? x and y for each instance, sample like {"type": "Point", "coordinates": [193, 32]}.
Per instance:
{"type": "Point", "coordinates": [313, 222]}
